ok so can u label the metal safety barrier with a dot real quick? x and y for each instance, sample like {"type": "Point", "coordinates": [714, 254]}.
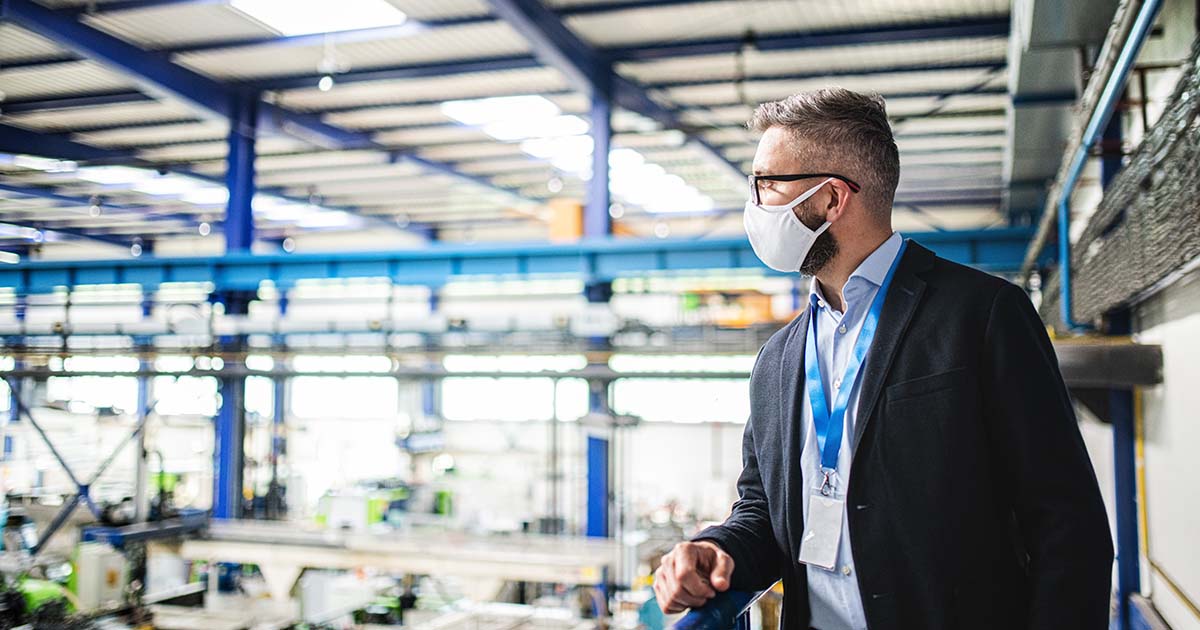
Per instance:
{"type": "Point", "coordinates": [725, 611]}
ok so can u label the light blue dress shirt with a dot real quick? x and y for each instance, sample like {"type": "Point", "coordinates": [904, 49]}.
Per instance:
{"type": "Point", "coordinates": [834, 596]}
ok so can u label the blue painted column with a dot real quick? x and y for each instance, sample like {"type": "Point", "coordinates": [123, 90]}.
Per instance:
{"type": "Point", "coordinates": [596, 220]}
{"type": "Point", "coordinates": [599, 439]}
{"type": "Point", "coordinates": [597, 223]}
{"type": "Point", "coordinates": [14, 394]}
{"type": "Point", "coordinates": [599, 475]}
{"type": "Point", "coordinates": [276, 504]}
{"type": "Point", "coordinates": [239, 173]}
{"type": "Point", "coordinates": [229, 454]}
{"type": "Point", "coordinates": [228, 449]}
{"type": "Point", "coordinates": [1121, 410]}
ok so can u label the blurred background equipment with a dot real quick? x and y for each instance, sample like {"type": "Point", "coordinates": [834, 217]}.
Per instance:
{"type": "Point", "coordinates": [395, 313]}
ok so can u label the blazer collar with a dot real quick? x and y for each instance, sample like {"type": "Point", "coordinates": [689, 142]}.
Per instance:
{"type": "Point", "coordinates": [904, 295]}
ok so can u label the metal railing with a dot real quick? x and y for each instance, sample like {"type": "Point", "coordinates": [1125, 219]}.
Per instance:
{"type": "Point", "coordinates": [726, 611]}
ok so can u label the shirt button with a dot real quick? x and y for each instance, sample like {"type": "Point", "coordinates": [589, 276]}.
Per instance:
{"type": "Point", "coordinates": [846, 569]}
{"type": "Point", "coordinates": [842, 329]}
{"type": "Point", "coordinates": [837, 384]}
{"type": "Point", "coordinates": [821, 303]}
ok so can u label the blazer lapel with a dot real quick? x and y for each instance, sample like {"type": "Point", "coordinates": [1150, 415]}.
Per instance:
{"type": "Point", "coordinates": [791, 374]}
{"type": "Point", "coordinates": [903, 297]}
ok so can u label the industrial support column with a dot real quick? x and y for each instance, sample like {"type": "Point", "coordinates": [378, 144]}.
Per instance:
{"type": "Point", "coordinates": [276, 501]}
{"type": "Point", "coordinates": [1121, 404]}
{"type": "Point", "coordinates": [597, 223]}
{"type": "Point", "coordinates": [598, 473]}
{"type": "Point", "coordinates": [239, 237]}
{"type": "Point", "coordinates": [14, 394]}
{"type": "Point", "coordinates": [239, 173]}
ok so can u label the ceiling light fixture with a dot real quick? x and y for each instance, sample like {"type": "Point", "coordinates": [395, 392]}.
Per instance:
{"type": "Point", "coordinates": [308, 17]}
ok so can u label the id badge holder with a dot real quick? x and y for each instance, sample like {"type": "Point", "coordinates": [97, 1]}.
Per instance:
{"type": "Point", "coordinates": [822, 528]}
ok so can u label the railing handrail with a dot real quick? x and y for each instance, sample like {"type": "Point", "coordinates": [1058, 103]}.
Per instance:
{"type": "Point", "coordinates": [723, 612]}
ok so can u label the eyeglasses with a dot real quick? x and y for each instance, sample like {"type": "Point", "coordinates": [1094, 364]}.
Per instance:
{"type": "Point", "coordinates": [758, 187]}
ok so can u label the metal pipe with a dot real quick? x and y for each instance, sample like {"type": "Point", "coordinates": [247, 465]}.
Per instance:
{"type": "Point", "coordinates": [1104, 110]}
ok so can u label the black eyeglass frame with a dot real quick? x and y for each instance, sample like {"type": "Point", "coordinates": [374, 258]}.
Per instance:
{"type": "Point", "coordinates": [754, 179]}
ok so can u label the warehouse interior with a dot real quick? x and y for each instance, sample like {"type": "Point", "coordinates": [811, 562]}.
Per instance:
{"type": "Point", "coordinates": [440, 313]}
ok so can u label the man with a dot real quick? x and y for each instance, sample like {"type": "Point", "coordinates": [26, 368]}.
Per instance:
{"type": "Point", "coordinates": [911, 459]}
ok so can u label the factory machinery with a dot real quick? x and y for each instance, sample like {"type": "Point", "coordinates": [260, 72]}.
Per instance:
{"type": "Point", "coordinates": [143, 563]}
{"type": "Point", "coordinates": [89, 561]}
{"type": "Point", "coordinates": [219, 316]}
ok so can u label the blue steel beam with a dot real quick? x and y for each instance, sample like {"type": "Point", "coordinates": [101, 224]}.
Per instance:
{"type": "Point", "coordinates": [998, 26]}
{"type": "Point", "coordinates": [77, 202]}
{"type": "Point", "coordinates": [156, 74]}
{"type": "Point", "coordinates": [319, 39]}
{"type": "Point", "coordinates": [986, 65]}
{"type": "Point", "coordinates": [120, 97]}
{"type": "Point", "coordinates": [22, 141]}
{"type": "Point", "coordinates": [134, 5]}
{"type": "Point", "coordinates": [16, 140]}
{"type": "Point", "coordinates": [16, 107]}
{"type": "Point", "coordinates": [589, 69]}
{"type": "Point", "coordinates": [367, 34]}
{"type": "Point", "coordinates": [514, 62]}
{"type": "Point", "coordinates": [411, 71]}
{"type": "Point", "coordinates": [85, 128]}
{"type": "Point", "coordinates": [589, 72]}
{"type": "Point", "coordinates": [998, 250]}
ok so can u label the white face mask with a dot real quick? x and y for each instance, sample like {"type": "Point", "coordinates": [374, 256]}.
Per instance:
{"type": "Point", "coordinates": [779, 239]}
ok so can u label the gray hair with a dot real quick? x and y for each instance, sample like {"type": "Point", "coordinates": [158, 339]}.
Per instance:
{"type": "Point", "coordinates": [849, 134]}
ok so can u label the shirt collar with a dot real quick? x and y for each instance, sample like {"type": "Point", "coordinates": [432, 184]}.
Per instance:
{"type": "Point", "coordinates": [873, 269]}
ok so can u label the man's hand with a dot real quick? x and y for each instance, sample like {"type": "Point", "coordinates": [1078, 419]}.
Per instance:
{"type": "Point", "coordinates": [690, 575]}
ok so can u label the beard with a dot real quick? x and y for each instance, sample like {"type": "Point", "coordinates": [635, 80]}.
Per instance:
{"type": "Point", "coordinates": [824, 249]}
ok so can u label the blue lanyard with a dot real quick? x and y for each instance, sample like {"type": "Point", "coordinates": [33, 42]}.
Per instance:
{"type": "Point", "coordinates": [829, 425]}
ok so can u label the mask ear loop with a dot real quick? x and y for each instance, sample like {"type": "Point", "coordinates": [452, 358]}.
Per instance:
{"type": "Point", "coordinates": [797, 201]}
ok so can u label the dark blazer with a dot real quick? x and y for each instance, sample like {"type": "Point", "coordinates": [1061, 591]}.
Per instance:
{"type": "Point", "coordinates": [972, 503]}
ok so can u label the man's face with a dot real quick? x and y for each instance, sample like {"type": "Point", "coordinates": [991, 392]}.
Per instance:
{"type": "Point", "coordinates": [779, 154]}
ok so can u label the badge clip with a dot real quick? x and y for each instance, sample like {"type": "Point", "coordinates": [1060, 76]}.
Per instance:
{"type": "Point", "coordinates": [827, 481]}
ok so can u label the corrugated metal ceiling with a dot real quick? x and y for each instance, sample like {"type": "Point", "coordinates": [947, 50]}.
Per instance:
{"type": "Point", "coordinates": [167, 131]}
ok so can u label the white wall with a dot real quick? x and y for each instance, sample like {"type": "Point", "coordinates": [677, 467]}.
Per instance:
{"type": "Point", "coordinates": [1172, 437]}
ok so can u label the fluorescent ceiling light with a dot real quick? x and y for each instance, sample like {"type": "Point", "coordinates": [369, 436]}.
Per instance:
{"type": "Point", "coordinates": [209, 196]}
{"type": "Point", "coordinates": [36, 163]}
{"type": "Point", "coordinates": [551, 148]}
{"type": "Point", "coordinates": [20, 231]}
{"type": "Point", "coordinates": [303, 215]}
{"type": "Point", "coordinates": [648, 185]}
{"type": "Point", "coordinates": [171, 184]}
{"type": "Point", "coordinates": [276, 209]}
{"type": "Point", "coordinates": [325, 219]}
{"type": "Point", "coordinates": [483, 111]}
{"type": "Point", "coordinates": [528, 127]}
{"type": "Point", "coordinates": [114, 175]}
{"type": "Point", "coordinates": [9, 258]}
{"type": "Point", "coordinates": [306, 17]}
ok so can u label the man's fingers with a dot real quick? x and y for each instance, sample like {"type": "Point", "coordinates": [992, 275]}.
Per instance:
{"type": "Point", "coordinates": [660, 595]}
{"type": "Point", "coordinates": [722, 571]}
{"type": "Point", "coordinates": [680, 582]}
{"type": "Point", "coordinates": [693, 582]}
